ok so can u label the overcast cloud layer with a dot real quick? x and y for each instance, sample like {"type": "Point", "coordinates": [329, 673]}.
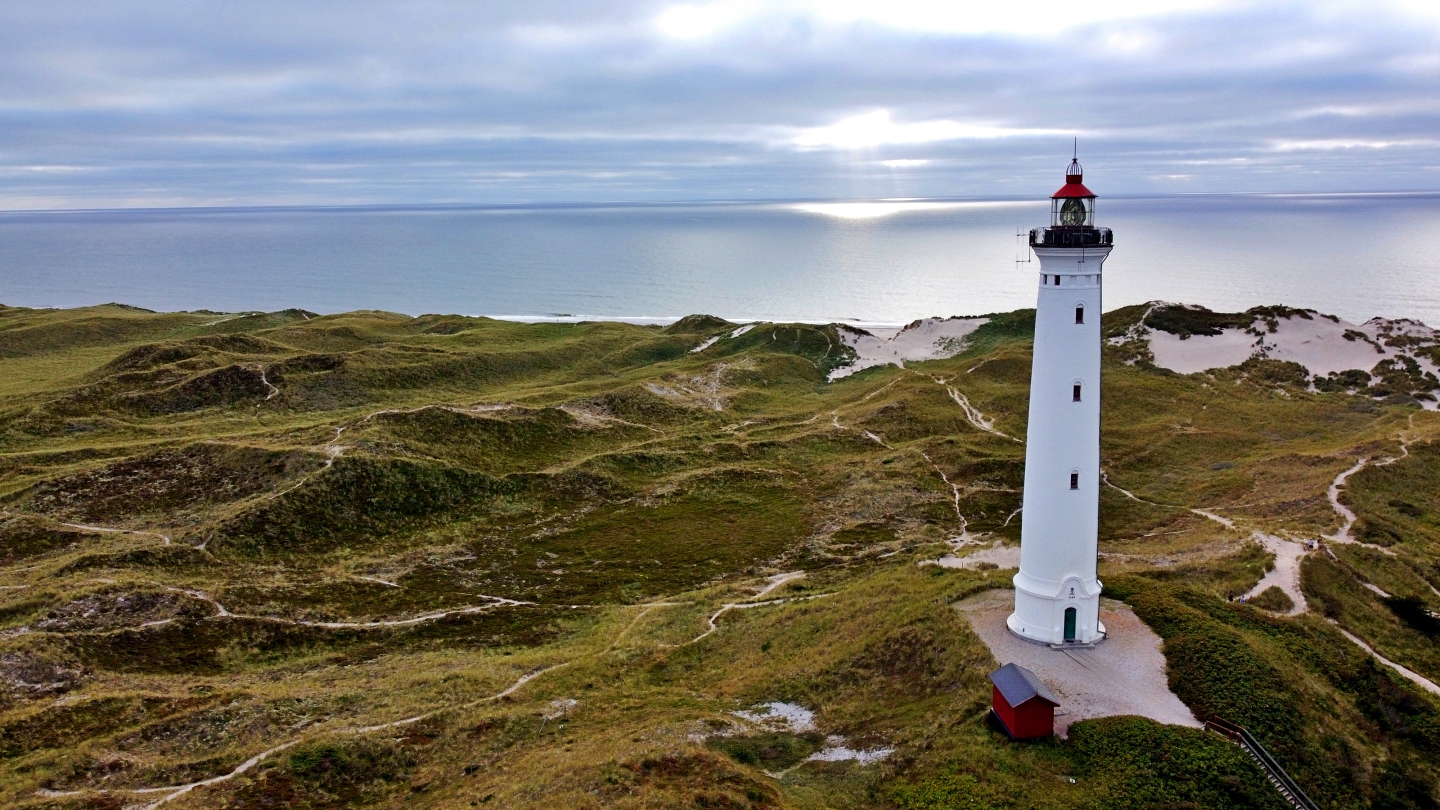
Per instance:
{"type": "Point", "coordinates": [147, 103]}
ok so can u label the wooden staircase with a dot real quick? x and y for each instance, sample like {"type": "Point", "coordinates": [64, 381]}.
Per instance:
{"type": "Point", "coordinates": [1273, 772]}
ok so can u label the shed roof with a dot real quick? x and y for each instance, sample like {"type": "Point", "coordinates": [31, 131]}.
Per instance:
{"type": "Point", "coordinates": [1019, 684]}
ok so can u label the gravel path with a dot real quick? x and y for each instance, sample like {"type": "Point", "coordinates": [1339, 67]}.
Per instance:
{"type": "Point", "coordinates": [1122, 675]}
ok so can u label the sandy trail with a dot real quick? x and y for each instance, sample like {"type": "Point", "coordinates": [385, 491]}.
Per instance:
{"type": "Point", "coordinates": [1414, 677]}
{"type": "Point", "coordinates": [585, 417]}
{"type": "Point", "coordinates": [230, 318]}
{"type": "Point", "coordinates": [1376, 589]}
{"type": "Point", "coordinates": [874, 438]}
{"type": "Point", "coordinates": [878, 390]}
{"type": "Point", "coordinates": [174, 792]}
{"type": "Point", "coordinates": [332, 452]}
{"type": "Point", "coordinates": [1286, 573]}
{"type": "Point", "coordinates": [164, 539]}
{"type": "Point", "coordinates": [645, 611]}
{"type": "Point", "coordinates": [1347, 516]}
{"type": "Point", "coordinates": [222, 612]}
{"type": "Point", "coordinates": [1223, 521]}
{"type": "Point", "coordinates": [973, 414]}
{"type": "Point", "coordinates": [1342, 535]}
{"type": "Point", "coordinates": [777, 581]}
{"type": "Point", "coordinates": [964, 531]}
{"type": "Point", "coordinates": [1289, 553]}
{"type": "Point", "coordinates": [773, 582]}
{"type": "Point", "coordinates": [273, 390]}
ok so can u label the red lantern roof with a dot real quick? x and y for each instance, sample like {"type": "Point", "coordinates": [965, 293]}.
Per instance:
{"type": "Point", "coordinates": [1073, 187]}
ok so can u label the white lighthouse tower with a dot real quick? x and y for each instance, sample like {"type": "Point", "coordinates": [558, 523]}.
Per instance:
{"type": "Point", "coordinates": [1057, 596]}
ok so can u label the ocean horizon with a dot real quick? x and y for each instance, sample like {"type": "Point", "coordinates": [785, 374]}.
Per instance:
{"type": "Point", "coordinates": [866, 262]}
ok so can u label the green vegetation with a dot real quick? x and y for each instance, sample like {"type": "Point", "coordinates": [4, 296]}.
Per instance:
{"type": "Point", "coordinates": [1273, 599]}
{"type": "Point", "coordinates": [1341, 724]}
{"type": "Point", "coordinates": [358, 536]}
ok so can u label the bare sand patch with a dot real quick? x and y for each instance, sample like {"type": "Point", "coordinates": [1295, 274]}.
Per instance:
{"type": "Point", "coordinates": [926, 339]}
{"type": "Point", "coordinates": [1122, 675]}
{"type": "Point", "coordinates": [998, 555]}
{"type": "Point", "coordinates": [1200, 352]}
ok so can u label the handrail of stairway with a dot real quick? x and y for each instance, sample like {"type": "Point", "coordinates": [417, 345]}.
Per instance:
{"type": "Point", "coordinates": [1243, 738]}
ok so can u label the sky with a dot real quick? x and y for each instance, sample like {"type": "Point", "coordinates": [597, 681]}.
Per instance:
{"type": "Point", "coordinates": [144, 103]}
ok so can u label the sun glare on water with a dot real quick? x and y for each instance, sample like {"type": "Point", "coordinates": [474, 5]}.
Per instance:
{"type": "Point", "coordinates": [884, 208]}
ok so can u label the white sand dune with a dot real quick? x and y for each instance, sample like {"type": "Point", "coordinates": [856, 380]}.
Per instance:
{"type": "Point", "coordinates": [1323, 344]}
{"type": "Point", "coordinates": [926, 339]}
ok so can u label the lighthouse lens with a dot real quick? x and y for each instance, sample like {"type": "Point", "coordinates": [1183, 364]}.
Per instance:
{"type": "Point", "coordinates": [1073, 212]}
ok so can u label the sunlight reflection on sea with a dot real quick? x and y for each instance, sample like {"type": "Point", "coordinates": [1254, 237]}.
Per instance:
{"type": "Point", "coordinates": [879, 261]}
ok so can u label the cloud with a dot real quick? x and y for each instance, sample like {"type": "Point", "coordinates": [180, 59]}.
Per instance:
{"type": "Point", "coordinates": [1330, 144]}
{"type": "Point", "coordinates": [1041, 19]}
{"type": "Point", "coordinates": [697, 20]}
{"type": "Point", "coordinates": [873, 129]}
{"type": "Point", "coordinates": [450, 101]}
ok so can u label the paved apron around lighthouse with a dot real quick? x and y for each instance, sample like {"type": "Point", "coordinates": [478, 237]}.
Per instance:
{"type": "Point", "coordinates": [1122, 675]}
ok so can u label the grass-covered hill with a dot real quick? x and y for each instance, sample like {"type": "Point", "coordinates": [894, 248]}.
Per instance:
{"type": "Point", "coordinates": [369, 560]}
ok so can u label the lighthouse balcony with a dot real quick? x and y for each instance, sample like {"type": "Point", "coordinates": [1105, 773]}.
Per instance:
{"type": "Point", "coordinates": [1071, 236]}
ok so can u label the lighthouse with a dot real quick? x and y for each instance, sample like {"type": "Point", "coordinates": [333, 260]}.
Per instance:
{"type": "Point", "coordinates": [1057, 595]}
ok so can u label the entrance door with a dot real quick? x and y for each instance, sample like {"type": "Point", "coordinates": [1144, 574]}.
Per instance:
{"type": "Point", "coordinates": [1070, 624]}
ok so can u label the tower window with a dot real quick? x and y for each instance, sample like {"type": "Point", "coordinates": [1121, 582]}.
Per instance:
{"type": "Point", "coordinates": [1057, 280]}
{"type": "Point", "coordinates": [1080, 313]}
{"type": "Point", "coordinates": [1074, 480]}
{"type": "Point", "coordinates": [1075, 393]}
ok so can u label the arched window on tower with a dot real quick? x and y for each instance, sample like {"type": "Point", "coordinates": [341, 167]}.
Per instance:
{"type": "Point", "coordinates": [1079, 313]}
{"type": "Point", "coordinates": [1074, 480]}
{"type": "Point", "coordinates": [1075, 392]}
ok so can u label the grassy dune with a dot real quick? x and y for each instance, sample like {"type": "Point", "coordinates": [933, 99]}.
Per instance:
{"type": "Point", "coordinates": [453, 562]}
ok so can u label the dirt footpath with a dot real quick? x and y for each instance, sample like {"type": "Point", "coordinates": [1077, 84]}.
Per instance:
{"type": "Point", "coordinates": [1124, 674]}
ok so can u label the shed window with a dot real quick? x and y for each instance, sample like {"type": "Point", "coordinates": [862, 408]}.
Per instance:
{"type": "Point", "coordinates": [1075, 393]}
{"type": "Point", "coordinates": [1074, 480]}
{"type": "Point", "coordinates": [1080, 313]}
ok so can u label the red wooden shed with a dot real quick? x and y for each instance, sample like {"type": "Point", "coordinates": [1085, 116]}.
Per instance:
{"type": "Point", "coordinates": [1022, 703]}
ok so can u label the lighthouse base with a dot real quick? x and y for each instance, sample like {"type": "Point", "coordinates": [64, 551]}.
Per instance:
{"type": "Point", "coordinates": [1069, 614]}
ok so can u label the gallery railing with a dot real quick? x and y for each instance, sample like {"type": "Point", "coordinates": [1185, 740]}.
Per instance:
{"type": "Point", "coordinates": [1071, 237]}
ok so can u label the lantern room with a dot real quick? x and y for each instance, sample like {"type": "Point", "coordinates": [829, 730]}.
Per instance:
{"type": "Point", "coordinates": [1073, 206]}
{"type": "Point", "coordinates": [1072, 216]}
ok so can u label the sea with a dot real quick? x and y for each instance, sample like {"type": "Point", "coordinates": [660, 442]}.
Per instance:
{"type": "Point", "coordinates": [877, 262]}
